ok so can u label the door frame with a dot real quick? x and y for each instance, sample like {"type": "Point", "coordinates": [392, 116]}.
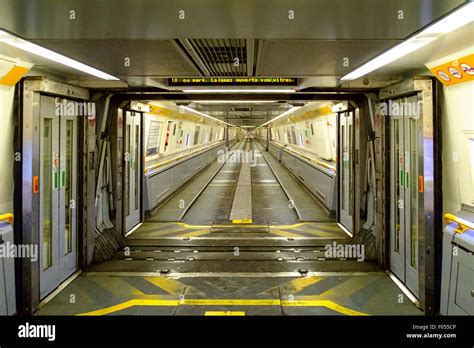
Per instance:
{"type": "Point", "coordinates": [430, 222]}
{"type": "Point", "coordinates": [137, 108]}
{"type": "Point", "coordinates": [27, 173]}
{"type": "Point", "coordinates": [340, 113]}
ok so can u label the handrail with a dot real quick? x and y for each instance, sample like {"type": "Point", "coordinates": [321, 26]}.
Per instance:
{"type": "Point", "coordinates": [183, 156]}
{"type": "Point", "coordinates": [463, 225]}
{"type": "Point", "coordinates": [308, 158]}
{"type": "Point", "coordinates": [7, 217]}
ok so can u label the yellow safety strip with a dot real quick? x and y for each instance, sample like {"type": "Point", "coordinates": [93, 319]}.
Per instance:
{"type": "Point", "coordinates": [242, 221]}
{"type": "Point", "coordinates": [14, 75]}
{"type": "Point", "coordinates": [225, 313]}
{"type": "Point", "coordinates": [7, 217]}
{"type": "Point", "coordinates": [463, 225]}
{"type": "Point", "coordinates": [185, 225]}
{"type": "Point", "coordinates": [225, 302]}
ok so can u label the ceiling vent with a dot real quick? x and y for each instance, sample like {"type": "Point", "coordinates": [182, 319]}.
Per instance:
{"type": "Point", "coordinates": [221, 57]}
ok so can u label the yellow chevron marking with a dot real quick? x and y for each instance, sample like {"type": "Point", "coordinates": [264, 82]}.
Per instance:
{"type": "Point", "coordinates": [285, 233]}
{"type": "Point", "coordinates": [171, 286]}
{"type": "Point", "coordinates": [296, 285]}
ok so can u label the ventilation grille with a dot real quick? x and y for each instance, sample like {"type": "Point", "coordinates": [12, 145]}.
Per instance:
{"type": "Point", "coordinates": [222, 57]}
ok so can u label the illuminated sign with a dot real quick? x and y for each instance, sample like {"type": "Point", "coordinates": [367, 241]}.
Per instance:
{"type": "Point", "coordinates": [232, 81]}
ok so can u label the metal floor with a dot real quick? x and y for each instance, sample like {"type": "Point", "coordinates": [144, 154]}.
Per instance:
{"type": "Point", "coordinates": [121, 294]}
{"type": "Point", "coordinates": [206, 265]}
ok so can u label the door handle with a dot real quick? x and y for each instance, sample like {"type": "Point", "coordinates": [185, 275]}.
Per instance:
{"type": "Point", "coordinates": [407, 180]}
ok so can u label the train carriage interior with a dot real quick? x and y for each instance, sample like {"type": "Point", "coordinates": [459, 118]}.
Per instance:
{"type": "Point", "coordinates": [311, 158]}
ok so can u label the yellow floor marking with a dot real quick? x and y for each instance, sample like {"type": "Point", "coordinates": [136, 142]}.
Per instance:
{"type": "Point", "coordinates": [171, 286]}
{"type": "Point", "coordinates": [296, 285]}
{"type": "Point", "coordinates": [224, 302]}
{"type": "Point", "coordinates": [321, 303]}
{"type": "Point", "coordinates": [319, 233]}
{"type": "Point", "coordinates": [185, 225]}
{"type": "Point", "coordinates": [242, 221]}
{"type": "Point", "coordinates": [225, 313]}
{"type": "Point", "coordinates": [195, 233]}
{"type": "Point", "coordinates": [131, 303]}
{"type": "Point", "coordinates": [229, 302]}
{"type": "Point", "coordinates": [284, 233]}
{"type": "Point", "coordinates": [348, 287]}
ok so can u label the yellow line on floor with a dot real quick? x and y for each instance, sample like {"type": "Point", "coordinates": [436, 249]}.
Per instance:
{"type": "Point", "coordinates": [224, 302]}
{"type": "Point", "coordinates": [321, 303]}
{"type": "Point", "coordinates": [131, 303]}
{"type": "Point", "coordinates": [225, 313]}
{"type": "Point", "coordinates": [185, 225]}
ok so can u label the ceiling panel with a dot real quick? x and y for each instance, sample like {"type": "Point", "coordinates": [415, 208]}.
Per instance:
{"type": "Point", "coordinates": [304, 58]}
{"type": "Point", "coordinates": [147, 57]}
{"type": "Point", "coordinates": [245, 19]}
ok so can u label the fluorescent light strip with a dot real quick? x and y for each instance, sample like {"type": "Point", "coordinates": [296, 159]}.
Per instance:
{"type": "Point", "coordinates": [455, 20]}
{"type": "Point", "coordinates": [239, 90]}
{"type": "Point", "coordinates": [205, 115]}
{"type": "Point", "coordinates": [287, 112]}
{"type": "Point", "coordinates": [30, 47]}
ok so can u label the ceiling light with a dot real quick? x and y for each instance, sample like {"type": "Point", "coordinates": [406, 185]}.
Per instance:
{"type": "Point", "coordinates": [453, 21]}
{"type": "Point", "coordinates": [205, 115]}
{"type": "Point", "coordinates": [287, 112]}
{"type": "Point", "coordinates": [30, 47]}
{"type": "Point", "coordinates": [239, 90]}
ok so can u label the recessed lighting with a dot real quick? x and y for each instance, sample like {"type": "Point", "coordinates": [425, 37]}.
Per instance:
{"type": "Point", "coordinates": [30, 47]}
{"type": "Point", "coordinates": [453, 21]}
{"type": "Point", "coordinates": [205, 115]}
{"type": "Point", "coordinates": [287, 112]}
